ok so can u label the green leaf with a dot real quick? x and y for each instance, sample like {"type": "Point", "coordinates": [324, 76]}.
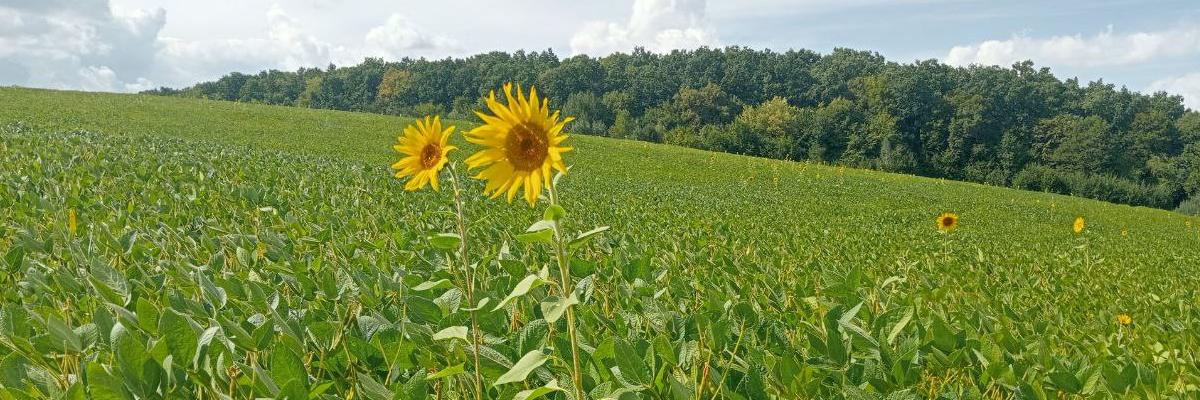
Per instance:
{"type": "Point", "coordinates": [538, 392]}
{"type": "Point", "coordinates": [631, 364]}
{"type": "Point", "coordinates": [287, 366]}
{"type": "Point", "coordinates": [103, 386]}
{"type": "Point", "coordinates": [529, 283]}
{"type": "Point", "coordinates": [147, 315]}
{"type": "Point", "coordinates": [63, 335]}
{"type": "Point", "coordinates": [542, 236]}
{"type": "Point", "coordinates": [482, 302]}
{"type": "Point", "coordinates": [449, 371]}
{"type": "Point", "coordinates": [453, 332]}
{"type": "Point", "coordinates": [899, 327]}
{"type": "Point", "coordinates": [554, 213]}
{"type": "Point", "coordinates": [542, 225]}
{"type": "Point", "coordinates": [371, 389]}
{"type": "Point", "coordinates": [431, 285]}
{"type": "Point", "coordinates": [583, 238]}
{"type": "Point", "coordinates": [553, 307]}
{"type": "Point", "coordinates": [1066, 381]}
{"type": "Point", "coordinates": [523, 367]}
{"type": "Point", "coordinates": [446, 241]}
{"type": "Point", "coordinates": [180, 335]}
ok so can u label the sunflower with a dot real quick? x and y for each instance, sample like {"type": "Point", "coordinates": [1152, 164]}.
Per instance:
{"type": "Point", "coordinates": [947, 222]}
{"type": "Point", "coordinates": [424, 146]}
{"type": "Point", "coordinates": [1078, 225]}
{"type": "Point", "coordinates": [1124, 319]}
{"type": "Point", "coordinates": [522, 141]}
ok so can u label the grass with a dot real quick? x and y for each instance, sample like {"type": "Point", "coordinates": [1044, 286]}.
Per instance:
{"type": "Point", "coordinates": [224, 249]}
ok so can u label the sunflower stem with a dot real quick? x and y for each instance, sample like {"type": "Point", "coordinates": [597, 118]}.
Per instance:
{"type": "Point", "coordinates": [567, 287]}
{"type": "Point", "coordinates": [462, 255]}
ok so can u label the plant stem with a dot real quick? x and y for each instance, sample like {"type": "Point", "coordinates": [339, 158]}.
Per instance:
{"type": "Point", "coordinates": [462, 255]}
{"type": "Point", "coordinates": [738, 345]}
{"type": "Point", "coordinates": [567, 287]}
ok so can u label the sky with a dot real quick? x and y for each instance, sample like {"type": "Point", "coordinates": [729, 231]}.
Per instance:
{"type": "Point", "coordinates": [133, 45]}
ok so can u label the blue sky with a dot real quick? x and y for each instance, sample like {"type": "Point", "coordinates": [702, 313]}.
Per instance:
{"type": "Point", "coordinates": [130, 45]}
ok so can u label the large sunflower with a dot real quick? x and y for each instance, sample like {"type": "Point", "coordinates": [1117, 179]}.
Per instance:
{"type": "Point", "coordinates": [522, 141]}
{"type": "Point", "coordinates": [424, 146]}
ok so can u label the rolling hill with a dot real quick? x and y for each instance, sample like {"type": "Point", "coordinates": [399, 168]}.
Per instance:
{"type": "Point", "coordinates": [199, 249]}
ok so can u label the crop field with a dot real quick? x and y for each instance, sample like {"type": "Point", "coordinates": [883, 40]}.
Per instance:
{"type": "Point", "coordinates": [156, 247]}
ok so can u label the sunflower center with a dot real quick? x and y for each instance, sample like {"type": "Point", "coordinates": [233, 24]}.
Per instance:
{"type": "Point", "coordinates": [947, 221]}
{"type": "Point", "coordinates": [430, 155]}
{"type": "Point", "coordinates": [526, 147]}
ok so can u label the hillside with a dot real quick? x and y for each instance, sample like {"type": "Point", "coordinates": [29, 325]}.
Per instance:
{"type": "Point", "coordinates": [275, 232]}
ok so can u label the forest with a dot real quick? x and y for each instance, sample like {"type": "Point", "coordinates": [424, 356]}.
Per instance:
{"type": "Point", "coordinates": [1019, 126]}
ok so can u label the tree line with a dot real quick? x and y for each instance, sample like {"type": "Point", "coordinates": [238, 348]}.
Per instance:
{"type": "Point", "coordinates": [1019, 126]}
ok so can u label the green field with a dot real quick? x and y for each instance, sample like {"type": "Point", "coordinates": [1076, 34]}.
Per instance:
{"type": "Point", "coordinates": [173, 248]}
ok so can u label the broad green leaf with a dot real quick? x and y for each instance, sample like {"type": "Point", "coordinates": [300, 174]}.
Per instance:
{"type": "Point", "coordinates": [63, 335]}
{"type": "Point", "coordinates": [553, 307]}
{"type": "Point", "coordinates": [534, 393]}
{"type": "Point", "coordinates": [633, 367]}
{"type": "Point", "coordinates": [899, 327]}
{"type": "Point", "coordinates": [453, 332]}
{"type": "Point", "coordinates": [529, 283]}
{"type": "Point", "coordinates": [104, 386]}
{"type": "Point", "coordinates": [371, 389]}
{"type": "Point", "coordinates": [554, 213]}
{"type": "Point", "coordinates": [446, 241]}
{"type": "Point", "coordinates": [448, 371]}
{"type": "Point", "coordinates": [542, 236]}
{"type": "Point", "coordinates": [521, 369]}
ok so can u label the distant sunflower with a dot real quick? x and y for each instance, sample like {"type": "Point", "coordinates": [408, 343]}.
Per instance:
{"type": "Point", "coordinates": [1124, 319]}
{"type": "Point", "coordinates": [947, 222]}
{"type": "Point", "coordinates": [425, 148]}
{"type": "Point", "coordinates": [522, 141]}
{"type": "Point", "coordinates": [1078, 225]}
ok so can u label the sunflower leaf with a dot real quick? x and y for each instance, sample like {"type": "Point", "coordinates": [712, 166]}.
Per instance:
{"type": "Point", "coordinates": [544, 236]}
{"type": "Point", "coordinates": [529, 283]}
{"type": "Point", "coordinates": [445, 241]}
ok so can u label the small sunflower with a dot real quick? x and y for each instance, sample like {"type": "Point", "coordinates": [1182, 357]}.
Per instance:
{"type": "Point", "coordinates": [1078, 225]}
{"type": "Point", "coordinates": [947, 222]}
{"type": "Point", "coordinates": [522, 141]}
{"type": "Point", "coordinates": [1124, 319]}
{"type": "Point", "coordinates": [424, 147]}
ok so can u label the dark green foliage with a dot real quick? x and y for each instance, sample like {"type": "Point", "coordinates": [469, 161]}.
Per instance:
{"type": "Point", "coordinates": [1101, 187]}
{"type": "Point", "coordinates": [979, 123]}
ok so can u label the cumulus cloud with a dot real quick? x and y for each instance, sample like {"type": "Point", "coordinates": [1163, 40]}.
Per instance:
{"type": "Point", "coordinates": [288, 47]}
{"type": "Point", "coordinates": [399, 37]}
{"type": "Point", "coordinates": [1105, 48]}
{"type": "Point", "coordinates": [285, 46]}
{"type": "Point", "coordinates": [1187, 86]}
{"type": "Point", "coordinates": [657, 25]}
{"type": "Point", "coordinates": [77, 45]}
{"type": "Point", "coordinates": [90, 45]}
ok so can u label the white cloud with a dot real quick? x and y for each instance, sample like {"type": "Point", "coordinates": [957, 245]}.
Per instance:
{"type": "Point", "coordinates": [657, 25]}
{"type": "Point", "coordinates": [1187, 85]}
{"type": "Point", "coordinates": [1104, 48]}
{"type": "Point", "coordinates": [91, 45]}
{"type": "Point", "coordinates": [399, 38]}
{"type": "Point", "coordinates": [76, 45]}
